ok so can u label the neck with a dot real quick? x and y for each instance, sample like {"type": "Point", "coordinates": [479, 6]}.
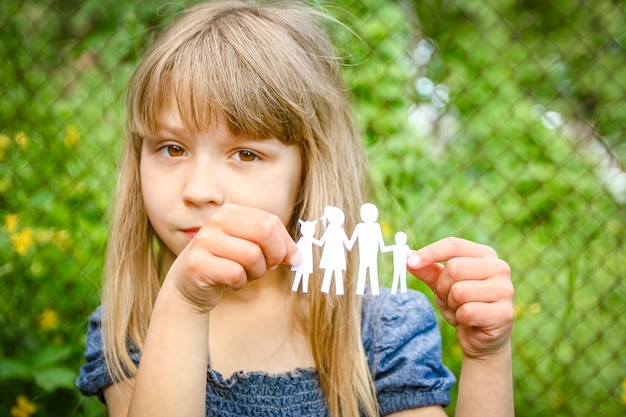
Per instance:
{"type": "Point", "coordinates": [257, 328]}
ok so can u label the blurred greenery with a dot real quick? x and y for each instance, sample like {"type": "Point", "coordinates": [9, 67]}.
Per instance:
{"type": "Point", "coordinates": [498, 121]}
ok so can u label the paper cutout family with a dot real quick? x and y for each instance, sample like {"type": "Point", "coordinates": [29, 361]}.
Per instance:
{"type": "Point", "coordinates": [334, 243]}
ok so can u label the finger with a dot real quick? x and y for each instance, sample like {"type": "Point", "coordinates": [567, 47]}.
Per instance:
{"type": "Point", "coordinates": [204, 275]}
{"type": "Point", "coordinates": [429, 274]}
{"type": "Point", "coordinates": [484, 327]}
{"type": "Point", "coordinates": [260, 227]}
{"type": "Point", "coordinates": [486, 316]}
{"type": "Point", "coordinates": [246, 254]}
{"type": "Point", "coordinates": [484, 291]}
{"type": "Point", "coordinates": [463, 268]}
{"type": "Point", "coordinates": [469, 269]}
{"type": "Point", "coordinates": [424, 263]}
{"type": "Point", "coordinates": [448, 248]}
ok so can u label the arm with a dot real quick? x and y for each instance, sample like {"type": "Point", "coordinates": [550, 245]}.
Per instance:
{"type": "Point", "coordinates": [381, 241]}
{"type": "Point", "coordinates": [385, 249]}
{"type": "Point", "coordinates": [349, 243]}
{"type": "Point", "coordinates": [235, 245]}
{"type": "Point", "coordinates": [474, 293]}
{"type": "Point", "coordinates": [172, 373]}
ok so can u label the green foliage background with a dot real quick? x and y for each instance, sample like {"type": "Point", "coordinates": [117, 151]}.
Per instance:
{"type": "Point", "coordinates": [498, 121]}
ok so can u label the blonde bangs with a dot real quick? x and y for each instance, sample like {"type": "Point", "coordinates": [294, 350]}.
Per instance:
{"type": "Point", "coordinates": [237, 68]}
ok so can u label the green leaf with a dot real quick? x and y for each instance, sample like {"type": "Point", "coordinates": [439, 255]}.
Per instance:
{"type": "Point", "coordinates": [54, 378]}
{"type": "Point", "coordinates": [51, 355]}
{"type": "Point", "coordinates": [11, 368]}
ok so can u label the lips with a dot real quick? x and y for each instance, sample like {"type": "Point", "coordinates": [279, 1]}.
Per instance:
{"type": "Point", "coordinates": [190, 232]}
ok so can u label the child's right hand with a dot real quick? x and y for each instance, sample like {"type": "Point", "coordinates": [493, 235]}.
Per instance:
{"type": "Point", "coordinates": [235, 245]}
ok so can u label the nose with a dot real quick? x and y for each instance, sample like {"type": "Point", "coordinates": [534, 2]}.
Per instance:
{"type": "Point", "coordinates": [204, 184]}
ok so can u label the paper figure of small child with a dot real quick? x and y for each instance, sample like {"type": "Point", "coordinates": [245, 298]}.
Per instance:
{"type": "Point", "coordinates": [334, 242]}
{"type": "Point", "coordinates": [370, 238]}
{"type": "Point", "coordinates": [401, 253]}
{"type": "Point", "coordinates": [305, 245]}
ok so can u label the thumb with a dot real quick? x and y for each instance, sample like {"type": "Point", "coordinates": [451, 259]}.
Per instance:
{"type": "Point", "coordinates": [428, 272]}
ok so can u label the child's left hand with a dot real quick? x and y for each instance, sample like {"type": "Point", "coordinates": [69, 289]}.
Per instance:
{"type": "Point", "coordinates": [473, 291]}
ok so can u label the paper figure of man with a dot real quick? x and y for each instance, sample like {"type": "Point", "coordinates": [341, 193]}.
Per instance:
{"type": "Point", "coordinates": [370, 239]}
{"type": "Point", "coordinates": [401, 253]}
{"type": "Point", "coordinates": [334, 242]}
{"type": "Point", "coordinates": [305, 245]}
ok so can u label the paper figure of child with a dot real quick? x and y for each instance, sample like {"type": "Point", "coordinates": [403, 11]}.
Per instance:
{"type": "Point", "coordinates": [370, 240]}
{"type": "Point", "coordinates": [334, 242]}
{"type": "Point", "coordinates": [305, 245]}
{"type": "Point", "coordinates": [401, 253]}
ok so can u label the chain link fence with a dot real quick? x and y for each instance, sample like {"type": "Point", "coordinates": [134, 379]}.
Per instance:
{"type": "Point", "coordinates": [499, 121]}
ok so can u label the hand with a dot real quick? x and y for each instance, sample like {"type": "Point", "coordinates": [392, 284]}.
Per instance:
{"type": "Point", "coordinates": [235, 245]}
{"type": "Point", "coordinates": [473, 291]}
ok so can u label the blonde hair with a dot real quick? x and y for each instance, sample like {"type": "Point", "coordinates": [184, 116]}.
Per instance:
{"type": "Point", "coordinates": [267, 70]}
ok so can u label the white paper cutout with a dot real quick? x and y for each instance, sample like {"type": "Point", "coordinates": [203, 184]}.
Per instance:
{"type": "Point", "coordinates": [370, 239]}
{"type": "Point", "coordinates": [401, 253]}
{"type": "Point", "coordinates": [335, 242]}
{"type": "Point", "coordinates": [305, 246]}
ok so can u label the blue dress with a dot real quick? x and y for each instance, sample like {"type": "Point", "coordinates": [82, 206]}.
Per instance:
{"type": "Point", "coordinates": [403, 347]}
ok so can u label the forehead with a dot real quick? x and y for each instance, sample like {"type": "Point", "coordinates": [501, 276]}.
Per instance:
{"type": "Point", "coordinates": [172, 112]}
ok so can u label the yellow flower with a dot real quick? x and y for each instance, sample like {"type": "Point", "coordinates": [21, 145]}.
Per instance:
{"type": "Point", "coordinates": [22, 140]}
{"type": "Point", "coordinates": [624, 391]}
{"type": "Point", "coordinates": [10, 222]}
{"type": "Point", "coordinates": [22, 241]}
{"type": "Point", "coordinates": [72, 135]}
{"type": "Point", "coordinates": [48, 320]}
{"type": "Point", "coordinates": [23, 408]}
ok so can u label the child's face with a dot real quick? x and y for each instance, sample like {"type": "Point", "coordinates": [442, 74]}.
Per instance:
{"type": "Point", "coordinates": [184, 176]}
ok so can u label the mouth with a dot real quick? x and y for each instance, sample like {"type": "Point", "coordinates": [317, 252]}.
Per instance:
{"type": "Point", "coordinates": [190, 232]}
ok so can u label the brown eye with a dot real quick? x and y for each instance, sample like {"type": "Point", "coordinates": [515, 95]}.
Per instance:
{"type": "Point", "coordinates": [173, 151]}
{"type": "Point", "coordinates": [246, 156]}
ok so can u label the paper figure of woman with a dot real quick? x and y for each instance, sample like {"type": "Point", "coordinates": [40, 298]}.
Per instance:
{"type": "Point", "coordinates": [334, 242]}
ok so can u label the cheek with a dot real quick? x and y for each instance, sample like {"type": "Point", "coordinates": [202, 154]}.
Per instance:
{"type": "Point", "coordinates": [281, 193]}
{"type": "Point", "coordinates": [151, 190]}
{"type": "Point", "coordinates": [292, 195]}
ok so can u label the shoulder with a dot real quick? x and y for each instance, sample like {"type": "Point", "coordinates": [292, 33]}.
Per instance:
{"type": "Point", "coordinates": [398, 325]}
{"type": "Point", "coordinates": [402, 342]}
{"type": "Point", "coordinates": [93, 344]}
{"type": "Point", "coordinates": [93, 376]}
{"type": "Point", "coordinates": [388, 314]}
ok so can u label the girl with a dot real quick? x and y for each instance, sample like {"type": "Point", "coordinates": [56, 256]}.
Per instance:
{"type": "Point", "coordinates": [238, 126]}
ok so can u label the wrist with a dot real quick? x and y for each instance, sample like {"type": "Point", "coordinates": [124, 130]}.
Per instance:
{"type": "Point", "coordinates": [486, 384]}
{"type": "Point", "coordinates": [181, 300]}
{"type": "Point", "coordinates": [501, 353]}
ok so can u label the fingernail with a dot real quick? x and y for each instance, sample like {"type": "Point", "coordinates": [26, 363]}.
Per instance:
{"type": "Point", "coordinates": [296, 259]}
{"type": "Point", "coordinates": [414, 261]}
